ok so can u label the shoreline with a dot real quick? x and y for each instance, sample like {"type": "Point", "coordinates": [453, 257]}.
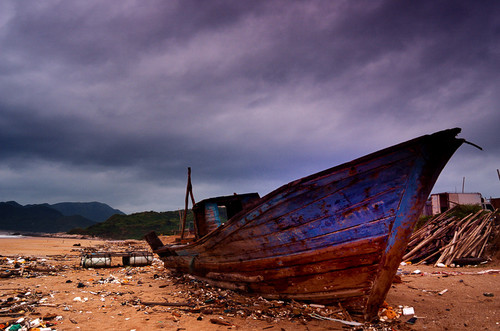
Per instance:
{"type": "Point", "coordinates": [23, 234]}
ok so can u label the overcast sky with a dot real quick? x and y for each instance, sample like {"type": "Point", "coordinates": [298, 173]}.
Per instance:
{"type": "Point", "coordinates": [111, 101]}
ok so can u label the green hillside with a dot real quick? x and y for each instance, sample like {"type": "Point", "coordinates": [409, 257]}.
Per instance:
{"type": "Point", "coordinates": [135, 226]}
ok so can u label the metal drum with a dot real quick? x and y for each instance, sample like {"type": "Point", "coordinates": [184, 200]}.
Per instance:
{"type": "Point", "coordinates": [93, 260]}
{"type": "Point", "coordinates": [138, 259]}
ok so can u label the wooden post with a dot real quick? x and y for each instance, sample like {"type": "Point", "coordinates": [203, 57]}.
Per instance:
{"type": "Point", "coordinates": [153, 240]}
{"type": "Point", "coordinates": [189, 192]}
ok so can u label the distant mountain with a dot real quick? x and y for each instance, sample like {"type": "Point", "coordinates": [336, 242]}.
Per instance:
{"type": "Point", "coordinates": [135, 226]}
{"type": "Point", "coordinates": [37, 218]}
{"type": "Point", "coordinates": [95, 211]}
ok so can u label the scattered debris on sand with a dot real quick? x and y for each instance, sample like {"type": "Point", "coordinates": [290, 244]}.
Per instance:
{"type": "Point", "coordinates": [54, 292]}
{"type": "Point", "coordinates": [37, 308]}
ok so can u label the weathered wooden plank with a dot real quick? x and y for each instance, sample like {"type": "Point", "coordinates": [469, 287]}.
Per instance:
{"type": "Point", "coordinates": [259, 249]}
{"type": "Point", "coordinates": [303, 232]}
{"type": "Point", "coordinates": [318, 297]}
{"type": "Point", "coordinates": [335, 254]}
{"type": "Point", "coordinates": [311, 221]}
{"type": "Point", "coordinates": [356, 277]}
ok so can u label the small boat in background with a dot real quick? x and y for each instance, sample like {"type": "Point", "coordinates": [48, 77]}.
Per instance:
{"type": "Point", "coordinates": [334, 236]}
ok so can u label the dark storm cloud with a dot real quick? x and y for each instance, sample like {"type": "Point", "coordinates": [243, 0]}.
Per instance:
{"type": "Point", "coordinates": [96, 33]}
{"type": "Point", "coordinates": [124, 96]}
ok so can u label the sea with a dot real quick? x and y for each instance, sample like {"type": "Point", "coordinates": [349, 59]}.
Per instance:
{"type": "Point", "coordinates": [9, 235]}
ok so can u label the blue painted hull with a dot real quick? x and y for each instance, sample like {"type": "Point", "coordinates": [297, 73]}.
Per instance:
{"type": "Point", "coordinates": [338, 235]}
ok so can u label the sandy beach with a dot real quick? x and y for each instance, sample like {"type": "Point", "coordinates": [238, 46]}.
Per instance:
{"type": "Point", "coordinates": [69, 297]}
{"type": "Point", "coordinates": [41, 246]}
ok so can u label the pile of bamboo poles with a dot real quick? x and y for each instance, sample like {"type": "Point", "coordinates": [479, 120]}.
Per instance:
{"type": "Point", "coordinates": [450, 240]}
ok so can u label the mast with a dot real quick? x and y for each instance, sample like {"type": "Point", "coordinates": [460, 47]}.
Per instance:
{"type": "Point", "coordinates": [189, 192]}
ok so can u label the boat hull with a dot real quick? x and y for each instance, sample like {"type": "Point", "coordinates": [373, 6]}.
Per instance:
{"type": "Point", "coordinates": [335, 236]}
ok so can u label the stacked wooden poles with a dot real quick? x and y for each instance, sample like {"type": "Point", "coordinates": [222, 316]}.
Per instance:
{"type": "Point", "coordinates": [448, 239]}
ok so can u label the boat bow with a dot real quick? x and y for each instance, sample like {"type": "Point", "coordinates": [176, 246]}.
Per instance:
{"type": "Point", "coordinates": [337, 235]}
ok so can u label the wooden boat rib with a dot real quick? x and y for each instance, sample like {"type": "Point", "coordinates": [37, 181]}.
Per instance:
{"type": "Point", "coordinates": [338, 235]}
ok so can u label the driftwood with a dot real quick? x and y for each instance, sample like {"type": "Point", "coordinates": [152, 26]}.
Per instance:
{"type": "Point", "coordinates": [469, 260]}
{"type": "Point", "coordinates": [168, 304]}
{"type": "Point", "coordinates": [220, 322]}
{"type": "Point", "coordinates": [5, 274]}
{"type": "Point", "coordinates": [8, 314]}
{"type": "Point", "coordinates": [450, 240]}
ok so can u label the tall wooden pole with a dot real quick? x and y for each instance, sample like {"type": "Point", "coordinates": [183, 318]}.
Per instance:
{"type": "Point", "coordinates": [189, 192]}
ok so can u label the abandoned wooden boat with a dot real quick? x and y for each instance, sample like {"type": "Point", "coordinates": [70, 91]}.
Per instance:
{"type": "Point", "coordinates": [335, 236]}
